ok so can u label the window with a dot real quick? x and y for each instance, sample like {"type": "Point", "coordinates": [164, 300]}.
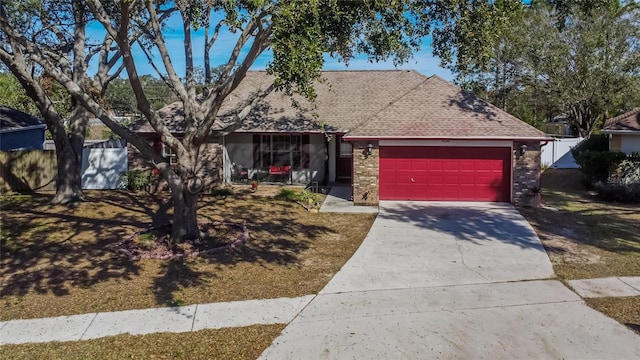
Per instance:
{"type": "Point", "coordinates": [346, 149]}
{"type": "Point", "coordinates": [281, 150]}
{"type": "Point", "coordinates": [168, 153]}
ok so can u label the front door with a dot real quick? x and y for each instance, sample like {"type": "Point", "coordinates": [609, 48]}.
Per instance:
{"type": "Point", "coordinates": [344, 161]}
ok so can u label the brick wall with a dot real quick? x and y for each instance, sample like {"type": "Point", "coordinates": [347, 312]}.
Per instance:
{"type": "Point", "coordinates": [365, 174]}
{"type": "Point", "coordinates": [526, 174]}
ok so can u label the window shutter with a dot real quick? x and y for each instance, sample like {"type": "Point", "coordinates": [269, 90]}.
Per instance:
{"type": "Point", "coordinates": [304, 154]}
{"type": "Point", "coordinates": [256, 151]}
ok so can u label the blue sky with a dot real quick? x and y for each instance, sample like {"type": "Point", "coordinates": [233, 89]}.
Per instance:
{"type": "Point", "coordinates": [422, 61]}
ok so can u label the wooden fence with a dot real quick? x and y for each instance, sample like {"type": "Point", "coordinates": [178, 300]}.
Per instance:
{"type": "Point", "coordinates": [29, 170]}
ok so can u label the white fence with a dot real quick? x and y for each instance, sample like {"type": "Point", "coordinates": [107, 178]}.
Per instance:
{"type": "Point", "coordinates": [557, 153]}
{"type": "Point", "coordinates": [101, 168]}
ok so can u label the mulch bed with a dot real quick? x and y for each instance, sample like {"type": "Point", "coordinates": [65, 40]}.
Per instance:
{"type": "Point", "coordinates": [153, 243]}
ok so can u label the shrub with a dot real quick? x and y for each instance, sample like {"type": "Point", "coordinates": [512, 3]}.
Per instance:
{"type": "Point", "coordinates": [222, 191]}
{"type": "Point", "coordinates": [307, 198]}
{"type": "Point", "coordinates": [287, 194]}
{"type": "Point", "coordinates": [593, 143]}
{"type": "Point", "coordinates": [136, 180]}
{"type": "Point", "coordinates": [597, 165]}
{"type": "Point", "coordinates": [624, 183]}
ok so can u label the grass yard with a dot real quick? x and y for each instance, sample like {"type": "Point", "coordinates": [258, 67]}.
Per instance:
{"type": "Point", "coordinates": [58, 261]}
{"type": "Point", "coordinates": [589, 238]}
{"type": "Point", "coordinates": [235, 343]}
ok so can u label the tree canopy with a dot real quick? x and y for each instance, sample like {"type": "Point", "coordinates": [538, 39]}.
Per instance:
{"type": "Point", "coordinates": [298, 34]}
{"type": "Point", "coordinates": [572, 58]}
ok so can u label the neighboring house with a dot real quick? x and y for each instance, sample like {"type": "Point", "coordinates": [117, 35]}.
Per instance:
{"type": "Point", "coordinates": [20, 131]}
{"type": "Point", "coordinates": [394, 135]}
{"type": "Point", "coordinates": [624, 132]}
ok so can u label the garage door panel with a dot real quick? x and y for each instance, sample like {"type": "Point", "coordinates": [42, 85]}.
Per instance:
{"type": "Point", "coordinates": [445, 173]}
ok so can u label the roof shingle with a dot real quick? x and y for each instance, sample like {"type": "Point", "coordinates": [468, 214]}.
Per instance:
{"type": "Point", "coordinates": [629, 121]}
{"type": "Point", "coordinates": [12, 119]}
{"type": "Point", "coordinates": [438, 109]}
{"type": "Point", "coordinates": [372, 104]}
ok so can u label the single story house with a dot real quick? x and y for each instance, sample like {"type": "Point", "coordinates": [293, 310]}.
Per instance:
{"type": "Point", "coordinates": [394, 135]}
{"type": "Point", "coordinates": [624, 132]}
{"type": "Point", "coordinates": [20, 131]}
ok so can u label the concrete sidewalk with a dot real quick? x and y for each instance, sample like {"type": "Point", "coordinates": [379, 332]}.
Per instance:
{"type": "Point", "coordinates": [339, 200]}
{"type": "Point", "coordinates": [146, 321]}
{"type": "Point", "coordinates": [607, 287]}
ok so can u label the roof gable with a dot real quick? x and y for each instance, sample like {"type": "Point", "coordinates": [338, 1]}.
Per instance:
{"type": "Point", "coordinates": [14, 120]}
{"type": "Point", "coordinates": [629, 121]}
{"type": "Point", "coordinates": [437, 108]}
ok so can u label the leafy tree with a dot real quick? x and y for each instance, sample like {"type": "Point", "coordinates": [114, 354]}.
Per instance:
{"type": "Point", "coordinates": [14, 96]}
{"type": "Point", "coordinates": [56, 30]}
{"type": "Point", "coordinates": [298, 33]}
{"type": "Point", "coordinates": [576, 58]}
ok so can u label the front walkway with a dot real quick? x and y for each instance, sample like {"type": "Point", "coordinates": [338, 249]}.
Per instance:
{"type": "Point", "coordinates": [339, 201]}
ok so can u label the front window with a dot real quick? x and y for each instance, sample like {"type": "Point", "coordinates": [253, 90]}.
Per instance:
{"type": "Point", "coordinates": [282, 150]}
{"type": "Point", "coordinates": [169, 154]}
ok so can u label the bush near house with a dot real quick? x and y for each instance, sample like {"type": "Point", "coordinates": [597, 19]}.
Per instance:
{"type": "Point", "coordinates": [595, 160]}
{"type": "Point", "coordinates": [623, 184]}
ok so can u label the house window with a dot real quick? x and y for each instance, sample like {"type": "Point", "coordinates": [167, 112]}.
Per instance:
{"type": "Point", "coordinates": [346, 149]}
{"type": "Point", "coordinates": [281, 150]}
{"type": "Point", "coordinates": [169, 154]}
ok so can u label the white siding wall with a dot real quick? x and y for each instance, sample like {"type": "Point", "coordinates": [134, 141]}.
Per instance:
{"type": "Point", "coordinates": [101, 168]}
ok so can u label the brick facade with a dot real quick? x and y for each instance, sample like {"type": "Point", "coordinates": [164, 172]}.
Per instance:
{"type": "Point", "coordinates": [526, 174]}
{"type": "Point", "coordinates": [365, 173]}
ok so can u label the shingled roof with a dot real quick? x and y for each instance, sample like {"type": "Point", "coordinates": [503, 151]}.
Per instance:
{"type": "Point", "coordinates": [344, 100]}
{"type": "Point", "coordinates": [436, 108]}
{"type": "Point", "coordinates": [15, 120]}
{"type": "Point", "coordinates": [367, 104]}
{"type": "Point", "coordinates": [629, 121]}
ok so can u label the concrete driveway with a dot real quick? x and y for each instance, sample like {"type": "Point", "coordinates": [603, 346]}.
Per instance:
{"type": "Point", "coordinates": [450, 280]}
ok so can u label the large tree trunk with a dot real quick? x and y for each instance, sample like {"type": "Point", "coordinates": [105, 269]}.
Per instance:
{"type": "Point", "coordinates": [69, 157]}
{"type": "Point", "coordinates": [185, 221]}
{"type": "Point", "coordinates": [69, 182]}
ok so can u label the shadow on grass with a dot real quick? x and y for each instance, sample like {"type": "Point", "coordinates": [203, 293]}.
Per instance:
{"type": "Point", "coordinates": [276, 237]}
{"type": "Point", "coordinates": [584, 218]}
{"type": "Point", "coordinates": [51, 249]}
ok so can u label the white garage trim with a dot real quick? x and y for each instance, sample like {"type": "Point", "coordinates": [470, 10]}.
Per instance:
{"type": "Point", "coordinates": [444, 142]}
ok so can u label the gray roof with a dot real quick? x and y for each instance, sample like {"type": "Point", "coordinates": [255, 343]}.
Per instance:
{"type": "Point", "coordinates": [344, 100]}
{"type": "Point", "coordinates": [436, 108]}
{"type": "Point", "coordinates": [372, 104]}
{"type": "Point", "coordinates": [15, 120]}
{"type": "Point", "coordinates": [629, 121]}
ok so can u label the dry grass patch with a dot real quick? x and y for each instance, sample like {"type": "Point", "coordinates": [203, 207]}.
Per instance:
{"type": "Point", "coordinates": [234, 343]}
{"type": "Point", "coordinates": [625, 310]}
{"type": "Point", "coordinates": [586, 238]}
{"type": "Point", "coordinates": [58, 261]}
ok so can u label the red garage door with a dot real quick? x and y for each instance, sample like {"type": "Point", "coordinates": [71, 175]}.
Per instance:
{"type": "Point", "coordinates": [445, 173]}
